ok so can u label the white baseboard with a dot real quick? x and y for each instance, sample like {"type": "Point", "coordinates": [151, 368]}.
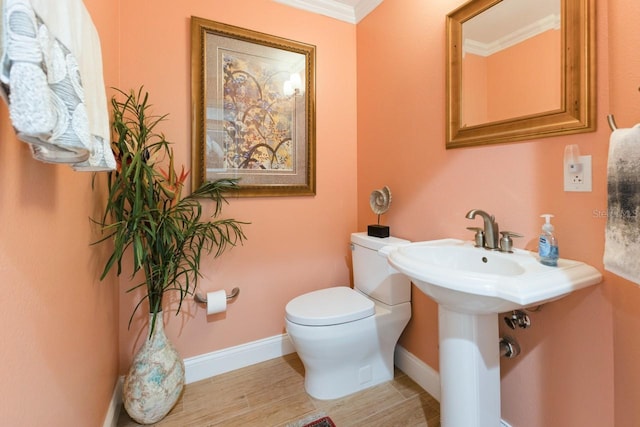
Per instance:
{"type": "Point", "coordinates": [229, 359]}
{"type": "Point", "coordinates": [113, 412]}
{"type": "Point", "coordinates": [218, 362]}
{"type": "Point", "coordinates": [424, 375]}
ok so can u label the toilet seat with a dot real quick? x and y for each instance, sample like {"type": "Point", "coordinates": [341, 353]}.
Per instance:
{"type": "Point", "coordinates": [330, 306]}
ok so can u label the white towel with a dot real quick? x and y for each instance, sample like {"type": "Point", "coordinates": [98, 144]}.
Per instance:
{"type": "Point", "coordinates": [1, 37]}
{"type": "Point", "coordinates": [51, 71]}
{"type": "Point", "coordinates": [622, 235]}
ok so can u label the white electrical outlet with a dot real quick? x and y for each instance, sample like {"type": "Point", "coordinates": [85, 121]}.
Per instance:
{"type": "Point", "coordinates": [577, 177]}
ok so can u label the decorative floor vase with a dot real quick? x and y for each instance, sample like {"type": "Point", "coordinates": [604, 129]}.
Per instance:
{"type": "Point", "coordinates": [155, 380]}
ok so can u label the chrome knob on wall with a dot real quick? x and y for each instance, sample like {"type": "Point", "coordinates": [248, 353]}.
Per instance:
{"type": "Point", "coordinates": [518, 319]}
{"type": "Point", "coordinates": [509, 347]}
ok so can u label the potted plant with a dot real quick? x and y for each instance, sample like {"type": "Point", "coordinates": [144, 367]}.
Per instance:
{"type": "Point", "coordinates": [165, 233]}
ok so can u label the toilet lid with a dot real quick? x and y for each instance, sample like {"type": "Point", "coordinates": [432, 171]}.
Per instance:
{"type": "Point", "coordinates": [330, 306]}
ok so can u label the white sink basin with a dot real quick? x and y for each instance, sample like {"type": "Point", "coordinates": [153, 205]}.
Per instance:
{"type": "Point", "coordinates": [471, 286]}
{"type": "Point", "coordinates": [475, 280]}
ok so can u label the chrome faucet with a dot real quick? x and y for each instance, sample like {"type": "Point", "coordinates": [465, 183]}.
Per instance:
{"type": "Point", "coordinates": [491, 240]}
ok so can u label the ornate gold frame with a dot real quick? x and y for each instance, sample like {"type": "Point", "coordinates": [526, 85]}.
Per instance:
{"type": "Point", "coordinates": [257, 130]}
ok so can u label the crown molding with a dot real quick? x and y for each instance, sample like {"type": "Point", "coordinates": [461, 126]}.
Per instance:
{"type": "Point", "coordinates": [365, 7]}
{"type": "Point", "coordinates": [540, 26]}
{"type": "Point", "coordinates": [335, 9]}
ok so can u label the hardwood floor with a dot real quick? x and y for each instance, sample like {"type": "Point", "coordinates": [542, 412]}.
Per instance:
{"type": "Point", "coordinates": [271, 394]}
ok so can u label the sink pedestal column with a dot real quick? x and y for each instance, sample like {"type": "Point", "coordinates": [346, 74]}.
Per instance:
{"type": "Point", "coordinates": [469, 369]}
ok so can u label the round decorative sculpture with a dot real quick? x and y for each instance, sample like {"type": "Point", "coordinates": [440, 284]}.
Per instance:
{"type": "Point", "coordinates": [380, 200]}
{"type": "Point", "coordinates": [155, 380]}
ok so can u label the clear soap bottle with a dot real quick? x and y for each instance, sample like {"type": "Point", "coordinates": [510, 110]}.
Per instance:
{"type": "Point", "coordinates": [548, 244]}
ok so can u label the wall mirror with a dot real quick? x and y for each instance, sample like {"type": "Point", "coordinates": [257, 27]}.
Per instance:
{"type": "Point", "coordinates": [518, 70]}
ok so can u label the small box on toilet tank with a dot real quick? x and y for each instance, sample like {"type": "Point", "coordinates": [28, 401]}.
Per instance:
{"type": "Point", "coordinates": [378, 230]}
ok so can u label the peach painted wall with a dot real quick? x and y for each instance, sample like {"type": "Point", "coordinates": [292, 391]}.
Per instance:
{"type": "Point", "coordinates": [624, 63]}
{"type": "Point", "coordinates": [295, 244]}
{"type": "Point", "coordinates": [564, 376]}
{"type": "Point", "coordinates": [59, 323]}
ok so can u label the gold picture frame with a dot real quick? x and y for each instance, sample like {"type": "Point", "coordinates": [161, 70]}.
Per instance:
{"type": "Point", "coordinates": [253, 110]}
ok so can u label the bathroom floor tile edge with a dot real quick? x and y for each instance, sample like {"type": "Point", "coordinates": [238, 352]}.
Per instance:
{"type": "Point", "coordinates": [218, 362]}
{"type": "Point", "coordinates": [229, 359]}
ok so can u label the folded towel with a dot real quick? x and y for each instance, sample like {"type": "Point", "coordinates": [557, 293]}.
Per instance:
{"type": "Point", "coordinates": [1, 35]}
{"type": "Point", "coordinates": [71, 23]}
{"type": "Point", "coordinates": [51, 75]}
{"type": "Point", "coordinates": [622, 234]}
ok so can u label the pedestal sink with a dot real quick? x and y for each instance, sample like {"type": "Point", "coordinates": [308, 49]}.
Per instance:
{"type": "Point", "coordinates": [471, 286]}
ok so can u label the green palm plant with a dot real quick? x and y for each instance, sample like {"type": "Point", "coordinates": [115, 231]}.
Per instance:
{"type": "Point", "coordinates": [146, 214]}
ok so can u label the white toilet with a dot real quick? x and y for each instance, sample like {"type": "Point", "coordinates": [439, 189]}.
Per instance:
{"type": "Point", "coordinates": [346, 337]}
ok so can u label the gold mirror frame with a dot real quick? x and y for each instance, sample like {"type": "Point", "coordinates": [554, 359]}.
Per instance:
{"type": "Point", "coordinates": [577, 112]}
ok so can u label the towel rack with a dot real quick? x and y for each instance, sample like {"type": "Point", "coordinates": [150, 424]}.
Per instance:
{"type": "Point", "coordinates": [612, 122]}
{"type": "Point", "coordinates": [203, 299]}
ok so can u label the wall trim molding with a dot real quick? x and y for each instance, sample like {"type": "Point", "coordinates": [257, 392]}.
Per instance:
{"type": "Point", "coordinates": [365, 7]}
{"type": "Point", "coordinates": [335, 9]}
{"type": "Point", "coordinates": [229, 359]}
{"type": "Point", "coordinates": [113, 411]}
{"type": "Point", "coordinates": [423, 375]}
{"type": "Point", "coordinates": [550, 22]}
{"type": "Point", "coordinates": [215, 363]}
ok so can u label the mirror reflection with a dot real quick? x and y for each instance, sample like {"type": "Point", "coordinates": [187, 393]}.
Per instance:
{"type": "Point", "coordinates": [511, 61]}
{"type": "Point", "coordinates": [518, 70]}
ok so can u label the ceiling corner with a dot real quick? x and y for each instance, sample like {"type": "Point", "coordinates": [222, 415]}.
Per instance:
{"type": "Point", "coordinates": [351, 11]}
{"type": "Point", "coordinates": [364, 7]}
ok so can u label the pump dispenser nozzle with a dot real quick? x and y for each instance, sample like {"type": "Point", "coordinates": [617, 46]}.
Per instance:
{"type": "Point", "coordinates": [547, 226]}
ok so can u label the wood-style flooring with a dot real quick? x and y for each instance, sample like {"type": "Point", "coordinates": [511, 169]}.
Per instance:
{"type": "Point", "coordinates": [271, 394]}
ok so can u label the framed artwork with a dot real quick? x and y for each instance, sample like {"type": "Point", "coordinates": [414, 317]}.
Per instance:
{"type": "Point", "coordinates": [253, 109]}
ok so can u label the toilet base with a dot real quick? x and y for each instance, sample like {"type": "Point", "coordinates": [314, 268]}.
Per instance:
{"type": "Point", "coordinates": [343, 359]}
{"type": "Point", "coordinates": [329, 387]}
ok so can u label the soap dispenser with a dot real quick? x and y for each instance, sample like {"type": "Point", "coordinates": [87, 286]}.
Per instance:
{"type": "Point", "coordinates": [548, 244]}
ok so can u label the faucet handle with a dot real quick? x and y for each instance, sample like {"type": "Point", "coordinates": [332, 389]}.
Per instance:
{"type": "Point", "coordinates": [479, 237]}
{"type": "Point", "coordinates": [506, 241]}
{"type": "Point", "coordinates": [510, 234]}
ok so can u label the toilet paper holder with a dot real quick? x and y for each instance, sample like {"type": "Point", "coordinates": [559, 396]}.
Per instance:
{"type": "Point", "coordinates": [203, 299]}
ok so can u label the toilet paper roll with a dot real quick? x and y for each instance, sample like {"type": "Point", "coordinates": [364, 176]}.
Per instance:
{"type": "Point", "coordinates": [216, 302]}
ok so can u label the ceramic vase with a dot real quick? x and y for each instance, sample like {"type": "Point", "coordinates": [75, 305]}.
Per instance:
{"type": "Point", "coordinates": [155, 380]}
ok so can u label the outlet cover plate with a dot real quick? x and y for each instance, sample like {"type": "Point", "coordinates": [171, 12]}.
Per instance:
{"type": "Point", "coordinates": [579, 181]}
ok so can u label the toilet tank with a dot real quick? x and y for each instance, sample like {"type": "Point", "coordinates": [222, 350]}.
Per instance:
{"type": "Point", "coordinates": [372, 274]}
